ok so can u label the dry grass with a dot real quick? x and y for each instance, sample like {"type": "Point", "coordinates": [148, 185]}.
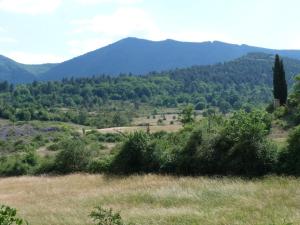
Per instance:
{"type": "Point", "coordinates": [157, 200]}
{"type": "Point", "coordinates": [155, 128]}
{"type": "Point", "coordinates": [279, 135]}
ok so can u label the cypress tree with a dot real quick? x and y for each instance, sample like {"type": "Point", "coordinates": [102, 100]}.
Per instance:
{"type": "Point", "coordinates": [283, 85]}
{"type": "Point", "coordinates": [279, 82]}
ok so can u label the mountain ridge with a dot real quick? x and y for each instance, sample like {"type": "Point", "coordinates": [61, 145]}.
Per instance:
{"type": "Point", "coordinates": [134, 56]}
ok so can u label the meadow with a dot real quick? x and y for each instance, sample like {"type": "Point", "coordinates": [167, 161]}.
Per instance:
{"type": "Point", "coordinates": [155, 199]}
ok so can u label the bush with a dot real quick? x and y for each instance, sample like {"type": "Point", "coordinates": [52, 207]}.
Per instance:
{"type": "Point", "coordinates": [240, 148]}
{"type": "Point", "coordinates": [20, 164]}
{"type": "Point", "coordinates": [188, 162]}
{"type": "Point", "coordinates": [135, 155]}
{"type": "Point", "coordinates": [46, 165]}
{"type": "Point", "coordinates": [243, 157]}
{"type": "Point", "coordinates": [74, 157]}
{"type": "Point", "coordinates": [8, 216]}
{"type": "Point", "coordinates": [102, 216]}
{"type": "Point", "coordinates": [100, 165]}
{"type": "Point", "coordinates": [290, 157]}
{"type": "Point", "coordinates": [281, 112]}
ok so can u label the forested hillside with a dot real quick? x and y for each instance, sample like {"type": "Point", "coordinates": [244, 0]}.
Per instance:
{"type": "Point", "coordinates": [134, 56]}
{"type": "Point", "coordinates": [241, 83]}
{"type": "Point", "coordinates": [138, 56]}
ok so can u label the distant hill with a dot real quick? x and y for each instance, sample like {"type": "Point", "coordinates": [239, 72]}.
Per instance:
{"type": "Point", "coordinates": [136, 56]}
{"type": "Point", "coordinates": [38, 68]}
{"type": "Point", "coordinates": [12, 72]}
{"type": "Point", "coordinates": [16, 73]}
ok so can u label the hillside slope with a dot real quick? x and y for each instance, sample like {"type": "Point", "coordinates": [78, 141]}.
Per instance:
{"type": "Point", "coordinates": [132, 55]}
{"type": "Point", "coordinates": [138, 56]}
{"type": "Point", "coordinates": [11, 71]}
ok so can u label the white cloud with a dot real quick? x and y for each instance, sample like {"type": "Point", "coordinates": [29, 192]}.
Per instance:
{"type": "Point", "coordinates": [34, 58]}
{"type": "Point", "coordinates": [7, 40]}
{"type": "Point", "coordinates": [32, 7]}
{"type": "Point", "coordinates": [129, 22]}
{"type": "Point", "coordinates": [123, 22]}
{"type": "Point", "coordinates": [2, 30]}
{"type": "Point", "coordinates": [120, 2]}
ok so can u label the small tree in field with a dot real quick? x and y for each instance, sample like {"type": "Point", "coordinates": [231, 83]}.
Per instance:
{"type": "Point", "coordinates": [187, 115]}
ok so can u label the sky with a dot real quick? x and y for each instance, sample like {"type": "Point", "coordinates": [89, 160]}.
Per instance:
{"type": "Point", "coordinates": [43, 31]}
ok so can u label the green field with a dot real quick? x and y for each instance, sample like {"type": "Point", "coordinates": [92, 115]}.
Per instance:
{"type": "Point", "coordinates": [155, 200]}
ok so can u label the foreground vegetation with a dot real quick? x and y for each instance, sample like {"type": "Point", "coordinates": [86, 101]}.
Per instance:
{"type": "Point", "coordinates": [207, 142]}
{"type": "Point", "coordinates": [155, 200]}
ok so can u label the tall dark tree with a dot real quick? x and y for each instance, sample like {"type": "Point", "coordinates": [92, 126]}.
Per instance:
{"type": "Point", "coordinates": [283, 89]}
{"type": "Point", "coordinates": [279, 82]}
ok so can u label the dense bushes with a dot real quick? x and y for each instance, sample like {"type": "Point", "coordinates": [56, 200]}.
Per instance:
{"type": "Point", "coordinates": [19, 164]}
{"type": "Point", "coordinates": [239, 147]}
{"type": "Point", "coordinates": [136, 155]}
{"type": "Point", "coordinates": [242, 147]}
{"type": "Point", "coordinates": [290, 157]}
{"type": "Point", "coordinates": [74, 157]}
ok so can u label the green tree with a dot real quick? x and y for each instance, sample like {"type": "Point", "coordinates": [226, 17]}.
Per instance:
{"type": "Point", "coordinates": [279, 81]}
{"type": "Point", "coordinates": [187, 115]}
{"type": "Point", "coordinates": [74, 157]}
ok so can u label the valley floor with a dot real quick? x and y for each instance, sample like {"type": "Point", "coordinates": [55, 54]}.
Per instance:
{"type": "Point", "coordinates": [155, 200]}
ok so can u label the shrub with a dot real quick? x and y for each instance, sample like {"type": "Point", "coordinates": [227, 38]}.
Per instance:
{"type": "Point", "coordinates": [46, 165]}
{"type": "Point", "coordinates": [290, 157]}
{"type": "Point", "coordinates": [102, 216]}
{"type": "Point", "coordinates": [8, 216]}
{"type": "Point", "coordinates": [242, 148]}
{"type": "Point", "coordinates": [20, 164]}
{"type": "Point", "coordinates": [74, 157]}
{"type": "Point", "coordinates": [281, 112]}
{"type": "Point", "coordinates": [135, 155]}
{"type": "Point", "coordinates": [187, 160]}
{"type": "Point", "coordinates": [100, 165]}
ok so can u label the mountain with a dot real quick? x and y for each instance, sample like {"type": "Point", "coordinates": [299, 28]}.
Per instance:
{"type": "Point", "coordinates": [138, 56]}
{"type": "Point", "coordinates": [12, 72]}
{"type": "Point", "coordinates": [37, 69]}
{"type": "Point", "coordinates": [16, 73]}
{"type": "Point", "coordinates": [133, 55]}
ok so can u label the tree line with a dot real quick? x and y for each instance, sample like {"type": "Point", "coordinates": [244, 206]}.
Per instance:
{"type": "Point", "coordinates": [243, 83]}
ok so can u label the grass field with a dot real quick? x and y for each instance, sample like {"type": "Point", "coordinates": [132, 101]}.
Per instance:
{"type": "Point", "coordinates": [155, 200]}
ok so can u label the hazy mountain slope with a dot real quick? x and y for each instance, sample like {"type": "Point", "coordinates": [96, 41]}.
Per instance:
{"type": "Point", "coordinates": [37, 69]}
{"type": "Point", "coordinates": [11, 71]}
{"type": "Point", "coordinates": [15, 72]}
{"type": "Point", "coordinates": [138, 56]}
{"type": "Point", "coordinates": [132, 55]}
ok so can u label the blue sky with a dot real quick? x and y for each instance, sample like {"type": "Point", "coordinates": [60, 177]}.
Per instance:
{"type": "Point", "coordinates": [39, 31]}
